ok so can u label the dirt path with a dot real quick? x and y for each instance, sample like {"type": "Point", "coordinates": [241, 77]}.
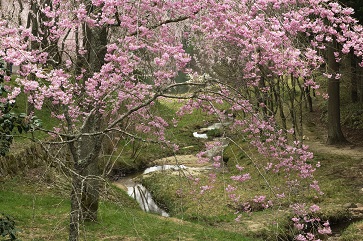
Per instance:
{"type": "Point", "coordinates": [316, 136]}
{"type": "Point", "coordinates": [315, 132]}
{"type": "Point", "coordinates": [316, 145]}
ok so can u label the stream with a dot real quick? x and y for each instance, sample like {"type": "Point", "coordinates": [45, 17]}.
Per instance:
{"type": "Point", "coordinates": [142, 195]}
{"type": "Point", "coordinates": [144, 198]}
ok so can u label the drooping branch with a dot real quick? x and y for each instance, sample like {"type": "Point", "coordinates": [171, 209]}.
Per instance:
{"type": "Point", "coordinates": [173, 20]}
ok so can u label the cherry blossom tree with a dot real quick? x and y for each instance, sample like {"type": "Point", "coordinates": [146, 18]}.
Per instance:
{"type": "Point", "coordinates": [86, 64]}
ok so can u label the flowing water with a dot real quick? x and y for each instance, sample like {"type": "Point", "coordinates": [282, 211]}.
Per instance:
{"type": "Point", "coordinates": [143, 196]}
{"type": "Point", "coordinates": [163, 168]}
{"type": "Point", "coordinates": [202, 136]}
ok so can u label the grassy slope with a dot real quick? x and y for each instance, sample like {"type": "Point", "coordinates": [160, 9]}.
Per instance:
{"type": "Point", "coordinates": [41, 212]}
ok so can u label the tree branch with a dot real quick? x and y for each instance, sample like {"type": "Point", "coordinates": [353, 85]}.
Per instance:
{"type": "Point", "coordinates": [175, 20]}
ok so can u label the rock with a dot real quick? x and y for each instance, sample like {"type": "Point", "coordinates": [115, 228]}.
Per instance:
{"type": "Point", "coordinates": [356, 210]}
{"type": "Point", "coordinates": [306, 138]}
{"type": "Point", "coordinates": [217, 150]}
{"type": "Point", "coordinates": [349, 205]}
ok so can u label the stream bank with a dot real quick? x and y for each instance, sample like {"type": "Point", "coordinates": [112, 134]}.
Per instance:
{"type": "Point", "coordinates": [178, 163]}
{"type": "Point", "coordinates": [133, 187]}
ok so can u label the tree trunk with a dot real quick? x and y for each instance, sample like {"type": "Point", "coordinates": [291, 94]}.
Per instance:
{"type": "Point", "coordinates": [354, 78]}
{"type": "Point", "coordinates": [86, 150]}
{"type": "Point", "coordinates": [335, 134]}
{"type": "Point", "coordinates": [261, 97]}
{"type": "Point", "coordinates": [76, 211]}
{"type": "Point", "coordinates": [32, 22]}
{"type": "Point", "coordinates": [90, 146]}
{"type": "Point", "coordinates": [360, 84]}
{"type": "Point", "coordinates": [85, 177]}
{"type": "Point", "coordinates": [281, 105]}
{"type": "Point", "coordinates": [90, 192]}
{"type": "Point", "coordinates": [309, 99]}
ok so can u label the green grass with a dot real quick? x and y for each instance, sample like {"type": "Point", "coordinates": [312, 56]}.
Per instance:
{"type": "Point", "coordinates": [41, 213]}
{"type": "Point", "coordinates": [183, 199]}
{"type": "Point", "coordinates": [353, 233]}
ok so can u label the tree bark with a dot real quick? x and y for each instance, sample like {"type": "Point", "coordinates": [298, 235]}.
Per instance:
{"type": "Point", "coordinates": [86, 150]}
{"type": "Point", "coordinates": [360, 84]}
{"type": "Point", "coordinates": [309, 99]}
{"type": "Point", "coordinates": [90, 146]}
{"type": "Point", "coordinates": [89, 150]}
{"type": "Point", "coordinates": [354, 78]}
{"type": "Point", "coordinates": [85, 177]}
{"type": "Point", "coordinates": [76, 211]}
{"type": "Point", "coordinates": [335, 134]}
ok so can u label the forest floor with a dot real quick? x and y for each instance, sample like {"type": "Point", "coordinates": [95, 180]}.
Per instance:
{"type": "Point", "coordinates": [316, 136]}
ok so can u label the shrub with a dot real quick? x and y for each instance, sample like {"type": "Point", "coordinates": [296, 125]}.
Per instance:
{"type": "Point", "coordinates": [7, 227]}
